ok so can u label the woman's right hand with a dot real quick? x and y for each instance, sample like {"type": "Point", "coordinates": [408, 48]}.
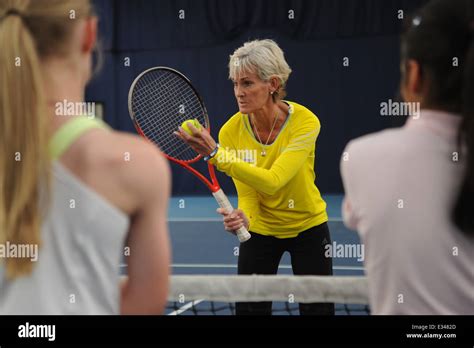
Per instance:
{"type": "Point", "coordinates": [234, 220]}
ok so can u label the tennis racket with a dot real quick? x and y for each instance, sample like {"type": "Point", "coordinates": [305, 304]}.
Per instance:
{"type": "Point", "coordinates": [159, 101]}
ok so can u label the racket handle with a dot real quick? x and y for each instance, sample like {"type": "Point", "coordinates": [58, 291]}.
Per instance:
{"type": "Point", "coordinates": [224, 202]}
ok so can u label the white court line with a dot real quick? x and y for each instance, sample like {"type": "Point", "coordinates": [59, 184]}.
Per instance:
{"type": "Point", "coordinates": [229, 265]}
{"type": "Point", "coordinates": [198, 219]}
{"type": "Point", "coordinates": [185, 307]}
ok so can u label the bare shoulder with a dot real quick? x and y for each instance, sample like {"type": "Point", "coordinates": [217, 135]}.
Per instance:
{"type": "Point", "coordinates": [136, 161]}
{"type": "Point", "coordinates": [131, 152]}
{"type": "Point", "coordinates": [123, 167]}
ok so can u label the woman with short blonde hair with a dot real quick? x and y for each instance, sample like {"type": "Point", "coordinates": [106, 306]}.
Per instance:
{"type": "Point", "coordinates": [278, 200]}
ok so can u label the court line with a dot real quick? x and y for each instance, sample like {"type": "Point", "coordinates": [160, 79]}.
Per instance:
{"type": "Point", "coordinates": [230, 265]}
{"type": "Point", "coordinates": [185, 307]}
{"type": "Point", "coordinates": [198, 219]}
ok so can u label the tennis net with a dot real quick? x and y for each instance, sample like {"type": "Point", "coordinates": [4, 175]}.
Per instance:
{"type": "Point", "coordinates": [217, 294]}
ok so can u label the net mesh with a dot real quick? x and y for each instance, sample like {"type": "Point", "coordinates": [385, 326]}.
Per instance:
{"type": "Point", "coordinates": [217, 295]}
{"type": "Point", "coordinates": [161, 100]}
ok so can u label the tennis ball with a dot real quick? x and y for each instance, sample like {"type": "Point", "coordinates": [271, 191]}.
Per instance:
{"type": "Point", "coordinates": [195, 123]}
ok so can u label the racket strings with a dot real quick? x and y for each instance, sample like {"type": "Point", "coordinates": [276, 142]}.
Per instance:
{"type": "Point", "coordinates": [161, 101]}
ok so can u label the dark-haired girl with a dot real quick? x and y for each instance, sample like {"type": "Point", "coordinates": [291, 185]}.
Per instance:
{"type": "Point", "coordinates": [410, 191]}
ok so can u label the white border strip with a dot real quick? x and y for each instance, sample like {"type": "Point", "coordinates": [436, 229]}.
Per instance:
{"type": "Point", "coordinates": [252, 288]}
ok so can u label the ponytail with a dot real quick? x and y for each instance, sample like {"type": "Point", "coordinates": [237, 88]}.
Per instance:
{"type": "Point", "coordinates": [24, 160]}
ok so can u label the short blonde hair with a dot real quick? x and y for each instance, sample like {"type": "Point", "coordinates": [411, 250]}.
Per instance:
{"type": "Point", "coordinates": [263, 57]}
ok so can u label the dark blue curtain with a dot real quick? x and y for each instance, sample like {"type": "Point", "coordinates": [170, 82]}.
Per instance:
{"type": "Point", "coordinates": [316, 35]}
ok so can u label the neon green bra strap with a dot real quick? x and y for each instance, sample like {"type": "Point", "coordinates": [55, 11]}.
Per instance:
{"type": "Point", "coordinates": [70, 132]}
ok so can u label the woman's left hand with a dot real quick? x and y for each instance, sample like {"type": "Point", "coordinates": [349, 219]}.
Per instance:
{"type": "Point", "coordinates": [234, 220]}
{"type": "Point", "coordinates": [201, 141]}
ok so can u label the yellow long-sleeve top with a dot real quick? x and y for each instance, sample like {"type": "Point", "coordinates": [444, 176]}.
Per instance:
{"type": "Point", "coordinates": [277, 192]}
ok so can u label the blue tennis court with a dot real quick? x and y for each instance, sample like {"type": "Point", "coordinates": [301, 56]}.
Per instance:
{"type": "Point", "coordinates": [201, 245]}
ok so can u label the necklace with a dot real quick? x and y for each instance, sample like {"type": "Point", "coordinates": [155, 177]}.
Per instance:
{"type": "Point", "coordinates": [264, 153]}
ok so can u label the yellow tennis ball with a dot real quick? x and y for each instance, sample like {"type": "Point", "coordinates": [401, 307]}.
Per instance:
{"type": "Point", "coordinates": [195, 124]}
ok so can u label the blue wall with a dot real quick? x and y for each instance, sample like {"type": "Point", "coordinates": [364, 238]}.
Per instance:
{"type": "Point", "coordinates": [346, 99]}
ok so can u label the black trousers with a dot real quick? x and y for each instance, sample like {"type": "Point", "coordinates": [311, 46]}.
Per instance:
{"type": "Point", "coordinates": [262, 255]}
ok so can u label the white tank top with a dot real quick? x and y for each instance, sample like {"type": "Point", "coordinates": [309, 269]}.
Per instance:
{"type": "Point", "coordinates": [77, 269]}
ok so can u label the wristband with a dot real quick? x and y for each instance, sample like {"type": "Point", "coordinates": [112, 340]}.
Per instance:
{"type": "Point", "coordinates": [212, 154]}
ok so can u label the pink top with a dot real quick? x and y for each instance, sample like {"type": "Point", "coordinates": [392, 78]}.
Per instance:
{"type": "Point", "coordinates": [401, 185]}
